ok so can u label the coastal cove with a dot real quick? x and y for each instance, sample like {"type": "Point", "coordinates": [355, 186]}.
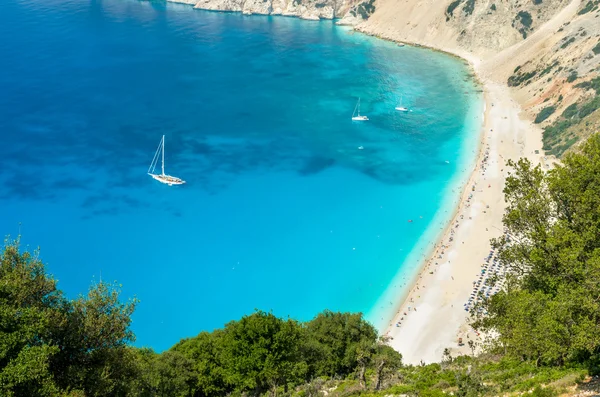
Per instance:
{"type": "Point", "coordinates": [282, 209]}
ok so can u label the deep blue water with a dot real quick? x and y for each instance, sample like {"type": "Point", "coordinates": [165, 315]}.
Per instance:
{"type": "Point", "coordinates": [281, 211]}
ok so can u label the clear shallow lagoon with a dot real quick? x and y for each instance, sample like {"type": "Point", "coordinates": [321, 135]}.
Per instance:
{"type": "Point", "coordinates": [281, 211]}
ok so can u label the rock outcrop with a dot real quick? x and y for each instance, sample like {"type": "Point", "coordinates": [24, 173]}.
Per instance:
{"type": "Point", "coordinates": [357, 11]}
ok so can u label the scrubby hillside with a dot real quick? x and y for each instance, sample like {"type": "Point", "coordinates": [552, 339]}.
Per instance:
{"type": "Point", "coordinates": [560, 86]}
{"type": "Point", "coordinates": [547, 51]}
{"type": "Point", "coordinates": [481, 27]}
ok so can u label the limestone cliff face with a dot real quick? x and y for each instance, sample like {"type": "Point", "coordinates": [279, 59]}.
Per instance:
{"type": "Point", "coordinates": [306, 9]}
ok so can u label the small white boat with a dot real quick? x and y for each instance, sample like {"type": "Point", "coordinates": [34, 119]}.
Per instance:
{"type": "Point", "coordinates": [401, 108]}
{"type": "Point", "coordinates": [162, 177]}
{"type": "Point", "coordinates": [356, 114]}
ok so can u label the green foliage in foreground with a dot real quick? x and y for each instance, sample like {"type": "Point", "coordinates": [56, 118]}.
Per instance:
{"type": "Point", "coordinates": [50, 345]}
{"type": "Point", "coordinates": [53, 346]}
{"type": "Point", "coordinates": [549, 310]}
{"type": "Point", "coordinates": [546, 320]}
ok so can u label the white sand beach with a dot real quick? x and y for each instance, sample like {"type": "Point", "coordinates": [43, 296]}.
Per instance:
{"type": "Point", "coordinates": [432, 316]}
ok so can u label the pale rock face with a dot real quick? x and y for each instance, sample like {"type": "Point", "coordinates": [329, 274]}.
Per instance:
{"type": "Point", "coordinates": [350, 20]}
{"type": "Point", "coordinates": [262, 7]}
{"type": "Point", "coordinates": [278, 6]}
{"type": "Point", "coordinates": [305, 9]}
{"type": "Point", "coordinates": [220, 5]}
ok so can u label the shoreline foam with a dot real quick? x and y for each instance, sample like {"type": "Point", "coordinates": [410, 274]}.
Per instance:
{"type": "Point", "coordinates": [437, 229]}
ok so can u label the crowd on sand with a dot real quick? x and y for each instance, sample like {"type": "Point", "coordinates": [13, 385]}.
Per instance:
{"type": "Point", "coordinates": [486, 283]}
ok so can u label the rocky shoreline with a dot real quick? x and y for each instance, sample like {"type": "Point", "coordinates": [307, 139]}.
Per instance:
{"type": "Point", "coordinates": [349, 12]}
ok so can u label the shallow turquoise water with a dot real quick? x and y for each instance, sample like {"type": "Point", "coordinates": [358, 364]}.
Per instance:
{"type": "Point", "coordinates": [281, 211]}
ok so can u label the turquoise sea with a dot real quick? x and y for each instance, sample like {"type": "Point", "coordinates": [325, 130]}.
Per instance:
{"type": "Point", "coordinates": [281, 211]}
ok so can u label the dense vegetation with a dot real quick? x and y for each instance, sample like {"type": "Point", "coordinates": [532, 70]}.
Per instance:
{"type": "Point", "coordinates": [53, 346]}
{"type": "Point", "coordinates": [545, 321]}
{"type": "Point", "coordinates": [560, 135]}
{"type": "Point", "coordinates": [549, 311]}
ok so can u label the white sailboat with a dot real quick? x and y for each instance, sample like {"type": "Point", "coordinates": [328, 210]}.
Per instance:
{"type": "Point", "coordinates": [356, 114]}
{"type": "Point", "coordinates": [162, 177]}
{"type": "Point", "coordinates": [401, 108]}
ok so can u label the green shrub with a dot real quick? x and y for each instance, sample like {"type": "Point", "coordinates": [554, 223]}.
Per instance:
{"type": "Point", "coordinates": [570, 111]}
{"type": "Point", "coordinates": [544, 114]}
{"type": "Point", "coordinates": [548, 68]}
{"type": "Point", "coordinates": [588, 7]}
{"type": "Point", "coordinates": [525, 18]}
{"type": "Point", "coordinates": [452, 7]}
{"type": "Point", "coordinates": [469, 7]}
{"type": "Point", "coordinates": [566, 43]}
{"type": "Point", "coordinates": [572, 77]}
{"type": "Point", "coordinates": [543, 392]}
{"type": "Point", "coordinates": [518, 79]}
{"type": "Point", "coordinates": [596, 49]}
{"type": "Point", "coordinates": [589, 107]}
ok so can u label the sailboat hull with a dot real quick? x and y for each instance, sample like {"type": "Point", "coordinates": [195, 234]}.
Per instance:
{"type": "Point", "coordinates": [360, 118]}
{"type": "Point", "coordinates": [167, 179]}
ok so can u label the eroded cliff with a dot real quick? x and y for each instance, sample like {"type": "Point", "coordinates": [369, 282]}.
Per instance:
{"type": "Point", "coordinates": [355, 11]}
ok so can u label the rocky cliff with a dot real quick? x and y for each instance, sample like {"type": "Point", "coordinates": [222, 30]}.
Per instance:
{"type": "Point", "coordinates": [355, 10]}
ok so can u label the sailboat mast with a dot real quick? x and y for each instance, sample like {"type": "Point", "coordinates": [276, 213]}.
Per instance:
{"type": "Point", "coordinates": [163, 155]}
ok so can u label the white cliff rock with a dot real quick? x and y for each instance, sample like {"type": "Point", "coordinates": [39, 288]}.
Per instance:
{"type": "Point", "coordinates": [220, 5]}
{"type": "Point", "coordinates": [305, 9]}
{"type": "Point", "coordinates": [263, 7]}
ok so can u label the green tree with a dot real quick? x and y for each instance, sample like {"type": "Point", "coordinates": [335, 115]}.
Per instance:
{"type": "Point", "coordinates": [365, 350]}
{"type": "Point", "coordinates": [335, 340]}
{"type": "Point", "coordinates": [262, 352]}
{"type": "Point", "coordinates": [93, 339]}
{"type": "Point", "coordinates": [30, 308]}
{"type": "Point", "coordinates": [50, 345]}
{"type": "Point", "coordinates": [386, 362]}
{"type": "Point", "coordinates": [549, 310]}
{"type": "Point", "coordinates": [205, 352]}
